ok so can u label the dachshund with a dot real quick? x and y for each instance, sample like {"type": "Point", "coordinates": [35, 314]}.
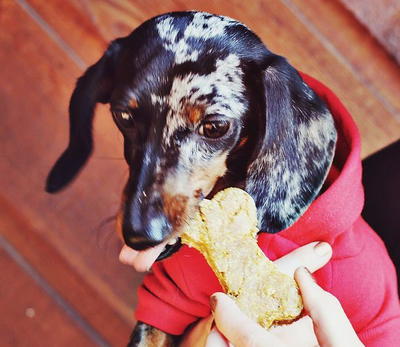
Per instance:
{"type": "Point", "coordinates": [202, 105]}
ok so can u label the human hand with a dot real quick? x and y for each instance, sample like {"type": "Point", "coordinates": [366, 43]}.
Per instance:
{"type": "Point", "coordinates": [331, 325]}
{"type": "Point", "coordinates": [328, 325]}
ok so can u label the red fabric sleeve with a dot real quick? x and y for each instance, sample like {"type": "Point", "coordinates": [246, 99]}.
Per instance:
{"type": "Point", "coordinates": [157, 312]}
{"type": "Point", "coordinates": [177, 292]}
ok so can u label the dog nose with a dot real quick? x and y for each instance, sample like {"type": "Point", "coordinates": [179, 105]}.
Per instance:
{"type": "Point", "coordinates": [145, 227]}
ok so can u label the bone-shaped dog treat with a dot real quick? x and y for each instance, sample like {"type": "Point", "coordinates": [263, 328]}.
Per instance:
{"type": "Point", "coordinates": [224, 230]}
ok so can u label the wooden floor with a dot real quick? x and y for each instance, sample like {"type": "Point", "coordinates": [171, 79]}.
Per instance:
{"type": "Point", "coordinates": [61, 283]}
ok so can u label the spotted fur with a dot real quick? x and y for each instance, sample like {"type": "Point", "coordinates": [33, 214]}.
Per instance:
{"type": "Point", "coordinates": [164, 82]}
{"type": "Point", "coordinates": [220, 90]}
{"type": "Point", "coordinates": [201, 26]}
{"type": "Point", "coordinates": [147, 336]}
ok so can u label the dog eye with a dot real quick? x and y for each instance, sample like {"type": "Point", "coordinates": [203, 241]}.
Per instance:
{"type": "Point", "coordinates": [214, 129]}
{"type": "Point", "coordinates": [123, 119]}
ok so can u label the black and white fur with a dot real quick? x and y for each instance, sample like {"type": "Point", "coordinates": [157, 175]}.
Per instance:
{"type": "Point", "coordinates": [202, 105]}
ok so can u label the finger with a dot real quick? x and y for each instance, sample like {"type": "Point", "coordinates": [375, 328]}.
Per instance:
{"type": "Point", "coordinates": [240, 330]}
{"type": "Point", "coordinates": [215, 339]}
{"type": "Point", "coordinates": [298, 333]}
{"type": "Point", "coordinates": [331, 325]}
{"type": "Point", "coordinates": [313, 256]}
{"type": "Point", "coordinates": [198, 334]}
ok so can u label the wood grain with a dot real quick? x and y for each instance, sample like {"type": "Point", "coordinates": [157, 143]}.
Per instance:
{"type": "Point", "coordinates": [33, 133]}
{"type": "Point", "coordinates": [33, 318]}
{"type": "Point", "coordinates": [369, 62]}
{"type": "Point", "coordinates": [382, 18]}
{"type": "Point", "coordinates": [78, 291]}
{"type": "Point", "coordinates": [47, 45]}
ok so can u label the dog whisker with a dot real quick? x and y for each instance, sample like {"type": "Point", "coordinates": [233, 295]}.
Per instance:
{"type": "Point", "coordinates": [105, 234]}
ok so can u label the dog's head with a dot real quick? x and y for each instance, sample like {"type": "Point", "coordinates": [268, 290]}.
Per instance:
{"type": "Point", "coordinates": [202, 104]}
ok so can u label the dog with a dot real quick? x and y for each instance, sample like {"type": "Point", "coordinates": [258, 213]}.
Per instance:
{"type": "Point", "coordinates": [202, 105]}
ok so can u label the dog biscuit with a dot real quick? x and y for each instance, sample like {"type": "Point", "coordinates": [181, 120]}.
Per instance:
{"type": "Point", "coordinates": [224, 230]}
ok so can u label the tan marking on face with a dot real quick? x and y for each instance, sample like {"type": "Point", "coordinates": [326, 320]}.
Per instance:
{"type": "Point", "coordinates": [242, 142]}
{"type": "Point", "coordinates": [198, 193]}
{"type": "Point", "coordinates": [133, 103]}
{"type": "Point", "coordinates": [204, 178]}
{"type": "Point", "coordinates": [194, 113]}
{"type": "Point", "coordinates": [183, 190]}
{"type": "Point", "coordinates": [175, 207]}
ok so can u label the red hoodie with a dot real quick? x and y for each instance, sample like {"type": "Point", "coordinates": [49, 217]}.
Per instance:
{"type": "Point", "coordinates": [360, 274]}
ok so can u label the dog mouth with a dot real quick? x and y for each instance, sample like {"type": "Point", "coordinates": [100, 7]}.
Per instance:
{"type": "Point", "coordinates": [143, 260]}
{"type": "Point", "coordinates": [170, 248]}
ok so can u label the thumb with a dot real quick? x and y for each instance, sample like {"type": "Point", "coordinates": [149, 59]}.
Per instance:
{"type": "Point", "coordinates": [239, 329]}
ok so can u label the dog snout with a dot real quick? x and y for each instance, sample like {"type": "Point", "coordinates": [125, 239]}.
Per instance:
{"type": "Point", "coordinates": [145, 225]}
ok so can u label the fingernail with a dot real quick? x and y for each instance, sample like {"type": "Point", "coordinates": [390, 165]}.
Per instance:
{"type": "Point", "coordinates": [322, 248]}
{"type": "Point", "coordinates": [213, 302]}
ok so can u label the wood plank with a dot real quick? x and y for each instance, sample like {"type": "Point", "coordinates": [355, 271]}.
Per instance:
{"type": "Point", "coordinates": [30, 316]}
{"type": "Point", "coordinates": [40, 77]}
{"type": "Point", "coordinates": [282, 29]}
{"type": "Point", "coordinates": [368, 60]}
{"type": "Point", "coordinates": [382, 18]}
{"type": "Point", "coordinates": [69, 26]}
{"type": "Point", "coordinates": [62, 276]}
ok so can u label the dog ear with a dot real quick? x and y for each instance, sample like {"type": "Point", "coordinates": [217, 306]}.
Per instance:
{"type": "Point", "coordinates": [295, 150]}
{"type": "Point", "coordinates": [94, 86]}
